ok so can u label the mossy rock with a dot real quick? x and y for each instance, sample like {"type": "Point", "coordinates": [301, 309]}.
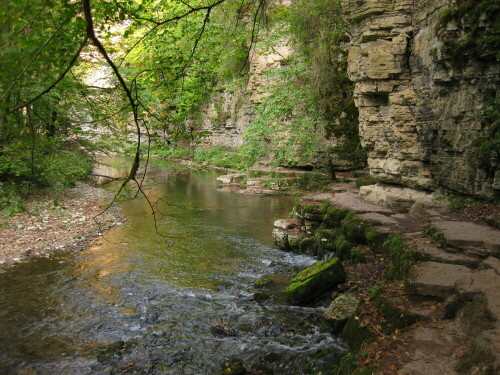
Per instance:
{"type": "Point", "coordinates": [395, 318]}
{"type": "Point", "coordinates": [306, 245]}
{"type": "Point", "coordinates": [262, 282]}
{"type": "Point", "coordinates": [343, 248]}
{"type": "Point", "coordinates": [311, 282]}
{"type": "Point", "coordinates": [308, 211]}
{"type": "Point", "coordinates": [332, 216]}
{"type": "Point", "coordinates": [375, 239]}
{"type": "Point", "coordinates": [354, 229]}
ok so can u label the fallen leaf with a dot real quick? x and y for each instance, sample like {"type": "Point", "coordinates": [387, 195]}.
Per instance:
{"type": "Point", "coordinates": [393, 367]}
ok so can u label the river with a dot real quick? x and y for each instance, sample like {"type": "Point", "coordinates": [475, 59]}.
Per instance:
{"type": "Point", "coordinates": [180, 301]}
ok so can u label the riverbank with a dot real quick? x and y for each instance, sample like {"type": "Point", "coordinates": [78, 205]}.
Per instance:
{"type": "Point", "coordinates": [56, 221]}
{"type": "Point", "coordinates": [432, 307]}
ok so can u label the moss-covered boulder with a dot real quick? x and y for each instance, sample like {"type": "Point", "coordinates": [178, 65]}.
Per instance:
{"type": "Point", "coordinates": [343, 248]}
{"type": "Point", "coordinates": [354, 229]}
{"type": "Point", "coordinates": [311, 282]}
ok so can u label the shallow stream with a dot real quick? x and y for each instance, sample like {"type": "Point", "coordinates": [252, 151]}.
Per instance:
{"type": "Point", "coordinates": [136, 302]}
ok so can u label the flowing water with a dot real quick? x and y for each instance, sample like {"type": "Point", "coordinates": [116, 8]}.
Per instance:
{"type": "Point", "coordinates": [136, 302]}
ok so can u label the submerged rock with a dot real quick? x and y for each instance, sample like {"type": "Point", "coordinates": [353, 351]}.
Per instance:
{"type": "Point", "coordinates": [314, 280]}
{"type": "Point", "coordinates": [262, 282]}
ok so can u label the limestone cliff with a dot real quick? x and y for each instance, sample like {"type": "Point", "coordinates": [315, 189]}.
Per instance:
{"type": "Point", "coordinates": [421, 105]}
{"type": "Point", "coordinates": [231, 109]}
{"type": "Point", "coordinates": [234, 107]}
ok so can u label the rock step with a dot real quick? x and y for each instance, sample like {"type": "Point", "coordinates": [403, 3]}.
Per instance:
{"type": "Point", "coordinates": [436, 279]}
{"type": "Point", "coordinates": [349, 201]}
{"type": "Point", "coordinates": [434, 351]}
{"type": "Point", "coordinates": [432, 252]}
{"type": "Point", "coordinates": [468, 237]}
{"type": "Point", "coordinates": [398, 223]}
{"type": "Point", "coordinates": [487, 283]}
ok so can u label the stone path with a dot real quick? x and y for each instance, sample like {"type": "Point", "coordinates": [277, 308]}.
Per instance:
{"type": "Point", "coordinates": [461, 269]}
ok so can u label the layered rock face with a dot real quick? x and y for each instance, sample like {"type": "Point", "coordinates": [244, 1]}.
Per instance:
{"type": "Point", "coordinates": [420, 109]}
{"type": "Point", "coordinates": [231, 111]}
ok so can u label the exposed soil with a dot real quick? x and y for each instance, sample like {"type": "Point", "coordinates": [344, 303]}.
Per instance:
{"type": "Point", "coordinates": [56, 221]}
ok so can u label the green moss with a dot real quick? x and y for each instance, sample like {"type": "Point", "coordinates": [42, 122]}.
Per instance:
{"type": "Point", "coordinates": [353, 229]}
{"type": "Point", "coordinates": [375, 239]}
{"type": "Point", "coordinates": [358, 255]}
{"type": "Point", "coordinates": [402, 258]}
{"type": "Point", "coordinates": [471, 39]}
{"type": "Point", "coordinates": [262, 282]}
{"type": "Point", "coordinates": [306, 245]}
{"type": "Point", "coordinates": [343, 248]}
{"type": "Point", "coordinates": [325, 240]}
{"type": "Point", "coordinates": [314, 280]}
{"type": "Point", "coordinates": [349, 365]}
{"type": "Point", "coordinates": [355, 334]}
{"type": "Point", "coordinates": [305, 209]}
{"type": "Point", "coordinates": [332, 216]}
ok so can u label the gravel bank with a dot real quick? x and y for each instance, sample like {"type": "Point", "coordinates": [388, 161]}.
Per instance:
{"type": "Point", "coordinates": [62, 221]}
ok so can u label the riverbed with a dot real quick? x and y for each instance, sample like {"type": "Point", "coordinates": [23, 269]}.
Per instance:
{"type": "Point", "coordinates": [172, 298]}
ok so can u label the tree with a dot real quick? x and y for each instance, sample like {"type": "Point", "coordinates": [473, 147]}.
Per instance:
{"type": "Point", "coordinates": [163, 66]}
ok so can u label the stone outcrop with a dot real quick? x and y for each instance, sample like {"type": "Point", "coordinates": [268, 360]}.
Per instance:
{"type": "Point", "coordinates": [419, 106]}
{"type": "Point", "coordinates": [232, 108]}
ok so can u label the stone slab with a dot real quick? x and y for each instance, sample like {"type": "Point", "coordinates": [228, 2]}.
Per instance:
{"type": "Point", "coordinates": [350, 201]}
{"type": "Point", "coordinates": [436, 279]}
{"type": "Point", "coordinates": [400, 199]}
{"type": "Point", "coordinates": [375, 218]}
{"type": "Point", "coordinates": [431, 252]}
{"type": "Point", "coordinates": [465, 235]}
{"type": "Point", "coordinates": [435, 352]}
{"type": "Point", "coordinates": [486, 282]}
{"type": "Point", "coordinates": [491, 263]}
